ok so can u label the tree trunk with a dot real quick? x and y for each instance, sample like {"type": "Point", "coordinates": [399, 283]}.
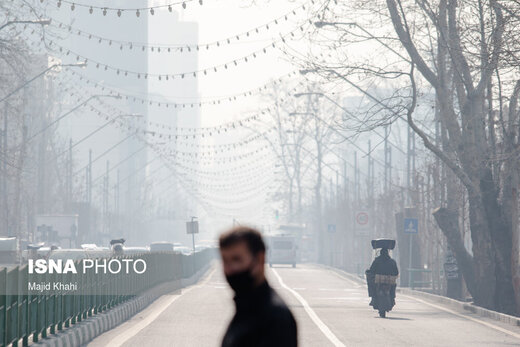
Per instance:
{"type": "Point", "coordinates": [448, 222]}
{"type": "Point", "coordinates": [501, 235]}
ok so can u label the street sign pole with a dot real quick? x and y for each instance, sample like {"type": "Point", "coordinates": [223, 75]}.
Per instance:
{"type": "Point", "coordinates": [410, 274]}
{"type": "Point", "coordinates": [410, 226]}
{"type": "Point", "coordinates": [193, 234]}
{"type": "Point", "coordinates": [193, 241]}
{"type": "Point", "coordinates": [192, 228]}
{"type": "Point", "coordinates": [362, 222]}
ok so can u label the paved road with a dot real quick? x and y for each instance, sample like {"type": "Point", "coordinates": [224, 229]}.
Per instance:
{"type": "Point", "coordinates": [330, 310]}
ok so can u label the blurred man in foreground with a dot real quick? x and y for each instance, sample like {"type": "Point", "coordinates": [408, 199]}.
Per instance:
{"type": "Point", "coordinates": [261, 318]}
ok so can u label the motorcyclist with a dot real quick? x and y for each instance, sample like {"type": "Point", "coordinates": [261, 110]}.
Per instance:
{"type": "Point", "coordinates": [383, 265]}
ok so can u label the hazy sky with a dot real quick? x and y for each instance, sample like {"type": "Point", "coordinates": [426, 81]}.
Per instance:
{"type": "Point", "coordinates": [219, 20]}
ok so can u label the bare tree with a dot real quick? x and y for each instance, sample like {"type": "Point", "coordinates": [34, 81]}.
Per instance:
{"type": "Point", "coordinates": [465, 53]}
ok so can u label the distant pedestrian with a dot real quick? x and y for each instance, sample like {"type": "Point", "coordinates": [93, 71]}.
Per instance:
{"type": "Point", "coordinates": [262, 318]}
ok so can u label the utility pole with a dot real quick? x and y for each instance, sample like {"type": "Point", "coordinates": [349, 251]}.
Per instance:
{"type": "Point", "coordinates": [41, 171]}
{"type": "Point", "coordinates": [116, 201]}
{"type": "Point", "coordinates": [105, 199]}
{"type": "Point", "coordinates": [345, 181]}
{"type": "Point", "coordinates": [69, 178]}
{"type": "Point", "coordinates": [337, 190]}
{"type": "Point", "coordinates": [5, 193]}
{"type": "Point", "coordinates": [356, 179]}
{"type": "Point", "coordinates": [89, 177]}
{"type": "Point", "coordinates": [116, 194]}
{"type": "Point", "coordinates": [410, 171]}
{"type": "Point", "coordinates": [370, 179]}
{"type": "Point", "coordinates": [388, 161]}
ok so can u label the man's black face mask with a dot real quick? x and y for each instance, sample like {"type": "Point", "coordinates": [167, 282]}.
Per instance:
{"type": "Point", "coordinates": [243, 281]}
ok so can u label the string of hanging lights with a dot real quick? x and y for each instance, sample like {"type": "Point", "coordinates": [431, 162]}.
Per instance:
{"type": "Point", "coordinates": [182, 48]}
{"type": "Point", "coordinates": [59, 49]}
{"type": "Point", "coordinates": [177, 164]}
{"type": "Point", "coordinates": [213, 151]}
{"type": "Point", "coordinates": [143, 127]}
{"type": "Point", "coordinates": [185, 132]}
{"type": "Point", "coordinates": [167, 104]}
{"type": "Point", "coordinates": [72, 5]}
{"type": "Point", "coordinates": [192, 187]}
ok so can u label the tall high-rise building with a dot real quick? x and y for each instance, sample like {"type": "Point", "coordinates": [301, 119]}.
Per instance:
{"type": "Point", "coordinates": [107, 63]}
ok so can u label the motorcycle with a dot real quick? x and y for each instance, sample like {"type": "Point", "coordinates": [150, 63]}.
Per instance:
{"type": "Point", "coordinates": [384, 294]}
{"type": "Point", "coordinates": [381, 288]}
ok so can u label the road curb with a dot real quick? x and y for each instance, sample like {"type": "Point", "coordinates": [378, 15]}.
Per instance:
{"type": "Point", "coordinates": [85, 331]}
{"type": "Point", "coordinates": [480, 311]}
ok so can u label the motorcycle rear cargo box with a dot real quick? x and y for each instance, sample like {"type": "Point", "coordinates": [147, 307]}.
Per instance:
{"type": "Point", "coordinates": [383, 243]}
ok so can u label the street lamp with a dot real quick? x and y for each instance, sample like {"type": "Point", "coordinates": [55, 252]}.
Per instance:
{"type": "Point", "coordinates": [40, 74]}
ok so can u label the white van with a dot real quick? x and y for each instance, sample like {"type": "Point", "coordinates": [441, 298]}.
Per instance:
{"type": "Point", "coordinates": [281, 249]}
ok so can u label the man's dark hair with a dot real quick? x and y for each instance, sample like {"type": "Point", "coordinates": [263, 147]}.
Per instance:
{"type": "Point", "coordinates": [250, 236]}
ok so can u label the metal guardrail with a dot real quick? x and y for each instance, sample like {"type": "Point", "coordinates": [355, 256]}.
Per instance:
{"type": "Point", "coordinates": [25, 317]}
{"type": "Point", "coordinates": [419, 284]}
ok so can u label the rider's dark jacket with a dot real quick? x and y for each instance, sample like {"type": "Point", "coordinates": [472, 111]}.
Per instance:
{"type": "Point", "coordinates": [384, 265]}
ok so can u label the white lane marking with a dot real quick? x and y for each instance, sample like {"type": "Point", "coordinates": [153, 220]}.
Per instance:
{"type": "Point", "coordinates": [356, 284]}
{"type": "Point", "coordinates": [126, 335]}
{"type": "Point", "coordinates": [319, 323]}
{"type": "Point", "coordinates": [489, 325]}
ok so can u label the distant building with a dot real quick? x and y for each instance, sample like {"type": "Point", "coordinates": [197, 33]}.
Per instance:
{"type": "Point", "coordinates": [128, 155]}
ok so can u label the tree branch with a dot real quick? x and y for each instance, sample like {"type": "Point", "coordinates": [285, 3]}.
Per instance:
{"type": "Point", "coordinates": [428, 144]}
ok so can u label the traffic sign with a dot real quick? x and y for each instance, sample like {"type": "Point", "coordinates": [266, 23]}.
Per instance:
{"type": "Point", "coordinates": [411, 225]}
{"type": "Point", "coordinates": [331, 228]}
{"type": "Point", "coordinates": [192, 227]}
{"type": "Point", "coordinates": [362, 219]}
{"type": "Point", "coordinates": [362, 223]}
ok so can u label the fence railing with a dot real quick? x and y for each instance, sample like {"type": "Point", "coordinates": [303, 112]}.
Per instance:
{"type": "Point", "coordinates": [28, 316]}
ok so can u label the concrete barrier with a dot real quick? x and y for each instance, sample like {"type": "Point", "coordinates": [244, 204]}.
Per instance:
{"type": "Point", "coordinates": [461, 305]}
{"type": "Point", "coordinates": [88, 329]}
